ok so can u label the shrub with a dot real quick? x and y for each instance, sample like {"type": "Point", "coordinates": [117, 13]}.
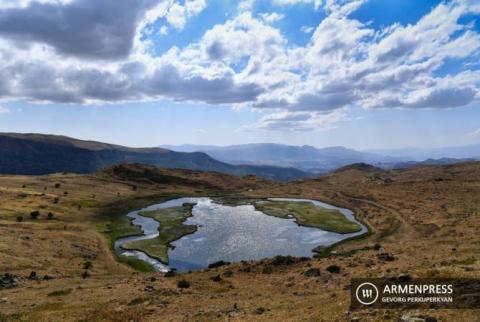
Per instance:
{"type": "Point", "coordinates": [50, 215]}
{"type": "Point", "coordinates": [87, 265]}
{"type": "Point", "coordinates": [35, 214]}
{"type": "Point", "coordinates": [183, 284]}
{"type": "Point", "coordinates": [60, 292]}
{"type": "Point", "coordinates": [57, 185]}
{"type": "Point", "coordinates": [19, 218]}
{"type": "Point", "coordinates": [86, 274]}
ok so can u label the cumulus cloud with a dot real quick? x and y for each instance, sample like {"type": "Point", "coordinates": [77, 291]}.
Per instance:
{"type": "Point", "coordinates": [84, 28]}
{"type": "Point", "coordinates": [177, 14]}
{"type": "Point", "coordinates": [86, 51]}
{"type": "Point", "coordinates": [272, 17]}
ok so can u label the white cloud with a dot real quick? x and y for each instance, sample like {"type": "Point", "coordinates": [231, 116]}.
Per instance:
{"type": "Point", "coordinates": [178, 14]}
{"type": "Point", "coordinates": [317, 3]}
{"type": "Point", "coordinates": [163, 30]}
{"type": "Point", "coordinates": [272, 17]}
{"type": "Point", "coordinates": [244, 62]}
{"type": "Point", "coordinates": [246, 5]}
{"type": "Point", "coordinates": [298, 121]}
{"type": "Point", "coordinates": [4, 110]}
{"type": "Point", "coordinates": [307, 29]}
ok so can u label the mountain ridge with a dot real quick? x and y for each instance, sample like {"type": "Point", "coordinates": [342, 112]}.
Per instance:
{"type": "Point", "coordinates": [43, 154]}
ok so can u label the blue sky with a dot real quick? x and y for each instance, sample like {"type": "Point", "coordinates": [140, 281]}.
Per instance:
{"type": "Point", "coordinates": [362, 74]}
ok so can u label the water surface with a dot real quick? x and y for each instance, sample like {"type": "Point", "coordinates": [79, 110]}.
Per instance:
{"type": "Point", "coordinates": [232, 233]}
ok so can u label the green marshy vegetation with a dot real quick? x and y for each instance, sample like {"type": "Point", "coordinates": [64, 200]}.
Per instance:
{"type": "Point", "coordinates": [171, 228]}
{"type": "Point", "coordinates": [310, 215]}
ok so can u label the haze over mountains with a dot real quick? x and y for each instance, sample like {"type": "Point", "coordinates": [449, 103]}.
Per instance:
{"type": "Point", "coordinates": [43, 154]}
{"type": "Point", "coordinates": [320, 160]}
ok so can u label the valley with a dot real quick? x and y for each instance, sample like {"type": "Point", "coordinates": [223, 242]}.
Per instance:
{"type": "Point", "coordinates": [425, 219]}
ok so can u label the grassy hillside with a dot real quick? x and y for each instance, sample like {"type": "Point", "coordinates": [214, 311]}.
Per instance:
{"type": "Point", "coordinates": [425, 219]}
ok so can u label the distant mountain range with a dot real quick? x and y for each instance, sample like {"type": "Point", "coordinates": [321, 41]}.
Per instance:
{"type": "Point", "coordinates": [306, 158]}
{"type": "Point", "coordinates": [43, 154]}
{"type": "Point", "coordinates": [315, 160]}
{"type": "Point", "coordinates": [416, 154]}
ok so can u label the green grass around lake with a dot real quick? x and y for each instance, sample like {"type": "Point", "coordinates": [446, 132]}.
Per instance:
{"type": "Point", "coordinates": [308, 214]}
{"type": "Point", "coordinates": [171, 228]}
{"type": "Point", "coordinates": [114, 223]}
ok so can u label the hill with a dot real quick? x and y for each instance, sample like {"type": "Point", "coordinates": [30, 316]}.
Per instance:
{"type": "Point", "coordinates": [424, 223]}
{"type": "Point", "coordinates": [42, 154]}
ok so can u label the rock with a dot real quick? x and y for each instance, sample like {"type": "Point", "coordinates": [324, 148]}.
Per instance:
{"type": "Point", "coordinates": [386, 257]}
{"type": "Point", "coordinates": [409, 318]}
{"type": "Point", "coordinates": [149, 288]}
{"type": "Point", "coordinates": [216, 278]}
{"type": "Point", "coordinates": [312, 272]}
{"type": "Point", "coordinates": [333, 269]}
{"type": "Point", "coordinates": [8, 281]}
{"type": "Point", "coordinates": [228, 273]}
{"type": "Point", "coordinates": [218, 264]}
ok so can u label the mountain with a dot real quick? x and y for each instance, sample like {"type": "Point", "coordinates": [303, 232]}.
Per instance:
{"type": "Point", "coordinates": [418, 154]}
{"type": "Point", "coordinates": [43, 154]}
{"type": "Point", "coordinates": [306, 158]}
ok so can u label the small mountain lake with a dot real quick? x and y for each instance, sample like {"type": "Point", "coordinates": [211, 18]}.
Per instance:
{"type": "Point", "coordinates": [232, 233]}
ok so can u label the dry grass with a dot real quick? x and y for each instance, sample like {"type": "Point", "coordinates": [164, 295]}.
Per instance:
{"type": "Point", "coordinates": [427, 218]}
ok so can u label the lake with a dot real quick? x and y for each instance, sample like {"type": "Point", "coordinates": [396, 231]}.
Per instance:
{"type": "Point", "coordinates": [232, 233]}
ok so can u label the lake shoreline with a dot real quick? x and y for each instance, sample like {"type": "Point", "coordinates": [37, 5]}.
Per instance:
{"type": "Point", "coordinates": [315, 251]}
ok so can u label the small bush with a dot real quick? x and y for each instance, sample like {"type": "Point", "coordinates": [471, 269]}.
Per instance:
{"type": "Point", "coordinates": [86, 274]}
{"type": "Point", "coordinates": [50, 216]}
{"type": "Point", "coordinates": [55, 201]}
{"type": "Point", "coordinates": [183, 284]}
{"type": "Point", "coordinates": [267, 269]}
{"type": "Point", "coordinates": [259, 310]}
{"type": "Point", "coordinates": [60, 292]}
{"type": "Point", "coordinates": [57, 185]}
{"type": "Point", "coordinates": [35, 214]}
{"type": "Point", "coordinates": [87, 265]}
{"type": "Point", "coordinates": [19, 218]}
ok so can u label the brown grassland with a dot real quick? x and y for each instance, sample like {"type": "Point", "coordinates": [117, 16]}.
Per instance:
{"type": "Point", "coordinates": [427, 218]}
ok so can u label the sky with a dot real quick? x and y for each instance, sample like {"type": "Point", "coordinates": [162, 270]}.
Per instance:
{"type": "Point", "coordinates": [363, 74]}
